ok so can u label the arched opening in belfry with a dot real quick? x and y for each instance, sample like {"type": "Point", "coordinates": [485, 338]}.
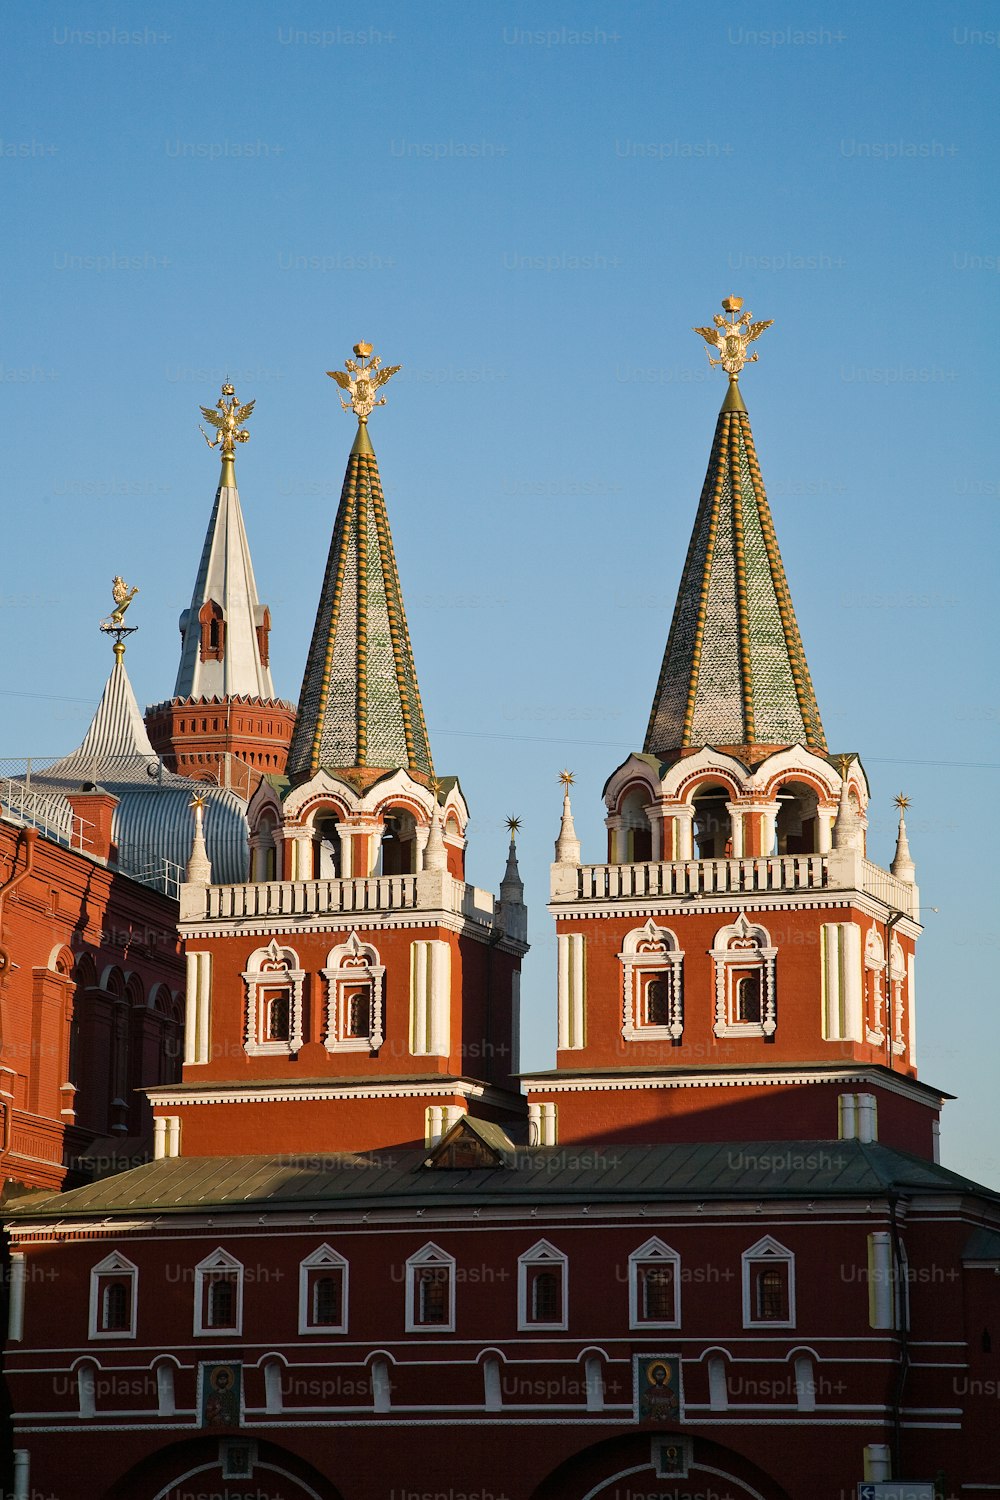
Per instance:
{"type": "Point", "coordinates": [326, 847]}
{"type": "Point", "coordinates": [636, 829]}
{"type": "Point", "coordinates": [797, 823]}
{"type": "Point", "coordinates": [713, 829]}
{"type": "Point", "coordinates": [398, 855]}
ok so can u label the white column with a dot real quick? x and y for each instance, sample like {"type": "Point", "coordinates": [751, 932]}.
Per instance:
{"type": "Point", "coordinates": [881, 1282]}
{"type": "Point", "coordinates": [595, 1383]}
{"type": "Point", "coordinates": [877, 1462]}
{"type": "Point", "coordinates": [381, 1385]}
{"type": "Point", "coordinates": [572, 983]}
{"type": "Point", "coordinates": [840, 960]}
{"type": "Point", "coordinates": [847, 1107]}
{"type": "Point", "coordinates": [430, 998]}
{"type": "Point", "coordinates": [165, 1405]}
{"type": "Point", "coordinates": [805, 1383]}
{"type": "Point", "coordinates": [159, 1138]}
{"type": "Point", "coordinates": [492, 1394]}
{"type": "Point", "coordinates": [736, 826]}
{"type": "Point", "coordinates": [173, 1140]}
{"type": "Point", "coordinates": [718, 1388]}
{"type": "Point", "coordinates": [22, 1474]}
{"type": "Point", "coordinates": [197, 1024]}
{"type": "Point", "coordinates": [15, 1316]}
{"type": "Point", "coordinates": [685, 831]}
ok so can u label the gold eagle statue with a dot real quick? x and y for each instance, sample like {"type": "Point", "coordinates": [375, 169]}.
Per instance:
{"type": "Point", "coordinates": [228, 422]}
{"type": "Point", "coordinates": [731, 337]}
{"type": "Point", "coordinates": [363, 378]}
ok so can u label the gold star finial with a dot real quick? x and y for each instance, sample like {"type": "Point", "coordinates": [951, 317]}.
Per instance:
{"type": "Point", "coordinates": [513, 825]}
{"type": "Point", "coordinates": [843, 762]}
{"type": "Point", "coordinates": [567, 778]}
{"type": "Point", "coordinates": [731, 337]}
{"type": "Point", "coordinates": [364, 377]}
{"type": "Point", "coordinates": [197, 801]}
{"type": "Point", "coordinates": [902, 801]}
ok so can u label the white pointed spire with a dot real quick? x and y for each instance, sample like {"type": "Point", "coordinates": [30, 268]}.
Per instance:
{"type": "Point", "coordinates": [199, 869]}
{"type": "Point", "coordinates": [512, 886]}
{"type": "Point", "coordinates": [232, 667]}
{"type": "Point", "coordinates": [435, 853]}
{"type": "Point", "coordinates": [902, 865]}
{"type": "Point", "coordinates": [846, 830]}
{"type": "Point", "coordinates": [567, 844]}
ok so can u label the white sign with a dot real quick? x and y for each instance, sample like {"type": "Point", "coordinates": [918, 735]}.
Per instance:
{"type": "Point", "coordinates": [897, 1489]}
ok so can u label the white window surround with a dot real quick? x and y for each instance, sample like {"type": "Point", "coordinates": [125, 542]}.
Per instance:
{"type": "Point", "coordinates": [874, 997]}
{"type": "Point", "coordinates": [220, 1261]}
{"type": "Point", "coordinates": [545, 1256]}
{"type": "Point", "coordinates": [114, 1268]}
{"type": "Point", "coordinates": [897, 978]}
{"type": "Point", "coordinates": [348, 965]}
{"type": "Point", "coordinates": [738, 949]}
{"type": "Point", "coordinates": [767, 1253]}
{"type": "Point", "coordinates": [653, 1253]}
{"type": "Point", "coordinates": [647, 952]}
{"type": "Point", "coordinates": [272, 968]}
{"type": "Point", "coordinates": [325, 1258]}
{"type": "Point", "coordinates": [431, 1257]}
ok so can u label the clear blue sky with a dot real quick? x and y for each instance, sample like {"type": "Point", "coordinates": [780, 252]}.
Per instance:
{"type": "Point", "coordinates": [528, 207]}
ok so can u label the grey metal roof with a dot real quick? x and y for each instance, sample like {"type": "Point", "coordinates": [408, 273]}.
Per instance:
{"type": "Point", "coordinates": [152, 822]}
{"type": "Point", "coordinates": [582, 1174]}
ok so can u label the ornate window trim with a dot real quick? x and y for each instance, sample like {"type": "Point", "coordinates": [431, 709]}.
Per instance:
{"type": "Point", "coordinates": [353, 963]}
{"type": "Point", "coordinates": [653, 1254]}
{"type": "Point", "coordinates": [769, 1254]}
{"type": "Point", "coordinates": [875, 968]}
{"type": "Point", "coordinates": [272, 968]}
{"type": "Point", "coordinates": [651, 953]}
{"type": "Point", "coordinates": [325, 1258]}
{"type": "Point", "coordinates": [219, 1263]}
{"type": "Point", "coordinates": [896, 980]}
{"type": "Point", "coordinates": [431, 1258]}
{"type": "Point", "coordinates": [114, 1271]}
{"type": "Point", "coordinates": [541, 1257]}
{"type": "Point", "coordinates": [741, 948]}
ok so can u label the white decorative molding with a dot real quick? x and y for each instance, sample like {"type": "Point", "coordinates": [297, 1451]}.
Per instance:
{"type": "Point", "coordinates": [651, 1257]}
{"type": "Point", "coordinates": [114, 1270]}
{"type": "Point", "coordinates": [430, 998]}
{"type": "Point", "coordinates": [874, 997]}
{"type": "Point", "coordinates": [897, 979]}
{"type": "Point", "coordinates": [198, 1009]}
{"type": "Point", "coordinates": [767, 1254]}
{"type": "Point", "coordinates": [542, 1258]}
{"type": "Point", "coordinates": [572, 990]}
{"type": "Point", "coordinates": [650, 955]}
{"type": "Point", "coordinates": [219, 1265]}
{"type": "Point", "coordinates": [841, 986]}
{"type": "Point", "coordinates": [352, 966]}
{"type": "Point", "coordinates": [324, 1259]}
{"type": "Point", "coordinates": [435, 1265]}
{"type": "Point", "coordinates": [882, 1307]}
{"type": "Point", "coordinates": [740, 950]}
{"type": "Point", "coordinates": [269, 970]}
{"type": "Point", "coordinates": [543, 1128]}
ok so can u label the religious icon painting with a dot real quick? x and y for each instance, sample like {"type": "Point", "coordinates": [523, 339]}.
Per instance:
{"type": "Point", "coordinates": [657, 1388]}
{"type": "Point", "coordinates": [671, 1457]}
{"type": "Point", "coordinates": [220, 1395]}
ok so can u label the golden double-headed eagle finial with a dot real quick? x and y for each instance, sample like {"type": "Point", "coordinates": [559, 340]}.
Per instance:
{"type": "Point", "coordinates": [228, 422]}
{"type": "Point", "coordinates": [731, 337]}
{"type": "Point", "coordinates": [364, 376]}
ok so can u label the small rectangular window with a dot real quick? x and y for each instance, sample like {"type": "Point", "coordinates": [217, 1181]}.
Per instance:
{"type": "Point", "coordinates": [221, 1293]}
{"type": "Point", "coordinates": [431, 1294]}
{"type": "Point", "coordinates": [770, 1293]}
{"type": "Point", "coordinates": [326, 1297]}
{"type": "Point", "coordinates": [115, 1305]}
{"type": "Point", "coordinates": [656, 1293]}
{"type": "Point", "coordinates": [545, 1294]}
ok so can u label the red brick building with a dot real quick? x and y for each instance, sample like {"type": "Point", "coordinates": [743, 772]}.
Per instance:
{"type": "Point", "coordinates": [711, 1253]}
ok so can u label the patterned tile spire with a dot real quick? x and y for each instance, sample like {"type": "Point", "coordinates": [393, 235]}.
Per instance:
{"type": "Point", "coordinates": [734, 673]}
{"type": "Point", "coordinates": [360, 704]}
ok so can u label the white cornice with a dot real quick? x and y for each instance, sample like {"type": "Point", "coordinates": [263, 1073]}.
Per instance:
{"type": "Point", "coordinates": [579, 909]}
{"type": "Point", "coordinates": [284, 1093]}
{"type": "Point", "coordinates": [744, 1078]}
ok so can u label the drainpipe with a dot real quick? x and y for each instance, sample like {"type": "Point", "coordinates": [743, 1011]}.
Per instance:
{"type": "Point", "coordinates": [903, 1314]}
{"type": "Point", "coordinates": [889, 924]}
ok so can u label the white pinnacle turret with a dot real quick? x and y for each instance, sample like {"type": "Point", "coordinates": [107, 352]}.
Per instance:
{"type": "Point", "coordinates": [435, 853]}
{"type": "Point", "coordinates": [567, 844]}
{"type": "Point", "coordinates": [199, 868]}
{"type": "Point", "coordinates": [902, 865]}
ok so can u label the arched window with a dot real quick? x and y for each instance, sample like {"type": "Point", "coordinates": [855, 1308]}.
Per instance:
{"type": "Point", "coordinates": [542, 1274]}
{"type": "Point", "coordinates": [218, 1294]}
{"type": "Point", "coordinates": [113, 1287]}
{"type": "Point", "coordinates": [712, 823]}
{"type": "Point", "coordinates": [636, 833]}
{"type": "Point", "coordinates": [654, 1285]}
{"type": "Point", "coordinates": [796, 826]}
{"type": "Point", "coordinates": [768, 1285]}
{"type": "Point", "coordinates": [213, 635]}
{"type": "Point", "coordinates": [748, 998]}
{"type": "Point", "coordinates": [323, 1292]}
{"type": "Point", "coordinates": [398, 855]}
{"type": "Point", "coordinates": [430, 1291]}
{"type": "Point", "coordinates": [328, 857]}
{"type": "Point", "coordinates": [657, 1003]}
{"type": "Point", "coordinates": [745, 997]}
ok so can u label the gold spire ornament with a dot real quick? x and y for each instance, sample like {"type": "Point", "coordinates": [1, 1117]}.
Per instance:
{"type": "Point", "coordinates": [567, 778]}
{"type": "Point", "coordinates": [228, 423]}
{"type": "Point", "coordinates": [732, 337]}
{"type": "Point", "coordinates": [364, 377]}
{"type": "Point", "coordinates": [902, 802]}
{"type": "Point", "coordinates": [513, 825]}
{"type": "Point", "coordinates": [115, 624]}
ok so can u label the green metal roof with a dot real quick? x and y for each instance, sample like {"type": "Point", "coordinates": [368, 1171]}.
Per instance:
{"type": "Point", "coordinates": [587, 1173]}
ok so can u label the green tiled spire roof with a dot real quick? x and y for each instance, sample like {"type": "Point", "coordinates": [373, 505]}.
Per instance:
{"type": "Point", "coordinates": [360, 703]}
{"type": "Point", "coordinates": [734, 673]}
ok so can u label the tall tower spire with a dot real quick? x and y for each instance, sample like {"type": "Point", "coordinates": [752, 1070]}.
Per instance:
{"type": "Point", "coordinates": [224, 639]}
{"type": "Point", "coordinates": [360, 704]}
{"type": "Point", "coordinates": [734, 673]}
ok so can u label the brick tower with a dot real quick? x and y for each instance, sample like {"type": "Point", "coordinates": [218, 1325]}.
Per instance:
{"type": "Point", "coordinates": [358, 992]}
{"type": "Point", "coordinates": [224, 716]}
{"type": "Point", "coordinates": [738, 969]}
